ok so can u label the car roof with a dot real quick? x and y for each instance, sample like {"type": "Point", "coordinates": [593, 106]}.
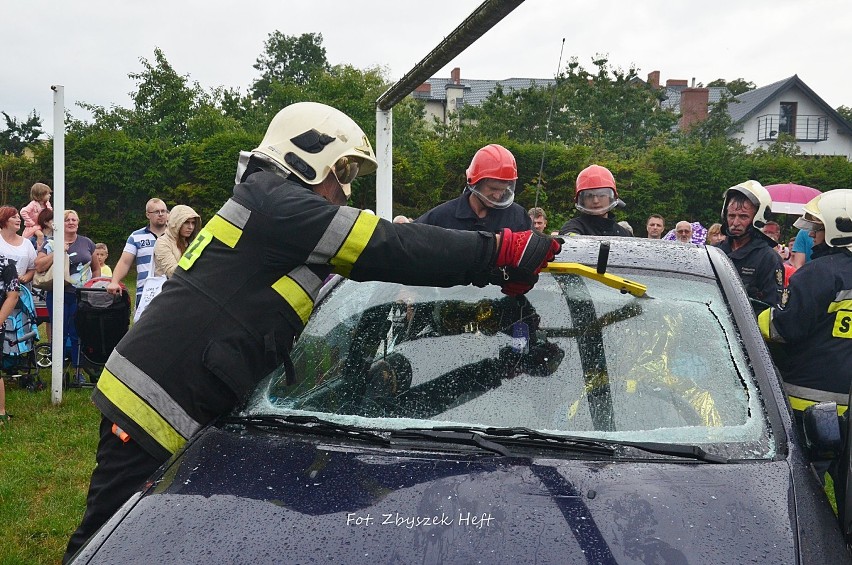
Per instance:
{"type": "Point", "coordinates": [639, 253]}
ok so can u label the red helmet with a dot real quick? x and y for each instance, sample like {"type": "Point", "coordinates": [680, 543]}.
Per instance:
{"type": "Point", "coordinates": [491, 176]}
{"type": "Point", "coordinates": [599, 180]}
{"type": "Point", "coordinates": [595, 176]}
{"type": "Point", "coordinates": [493, 162]}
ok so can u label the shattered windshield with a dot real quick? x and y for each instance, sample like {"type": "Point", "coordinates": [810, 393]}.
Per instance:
{"type": "Point", "coordinates": [571, 357]}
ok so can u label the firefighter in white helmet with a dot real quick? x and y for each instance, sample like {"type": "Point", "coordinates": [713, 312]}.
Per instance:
{"type": "Point", "coordinates": [244, 289]}
{"type": "Point", "coordinates": [815, 325]}
{"type": "Point", "coordinates": [744, 212]}
{"type": "Point", "coordinates": [816, 322]}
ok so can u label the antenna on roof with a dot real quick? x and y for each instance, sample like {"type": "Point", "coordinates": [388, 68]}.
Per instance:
{"type": "Point", "coordinates": [547, 125]}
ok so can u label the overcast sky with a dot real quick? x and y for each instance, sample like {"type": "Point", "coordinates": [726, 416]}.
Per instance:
{"type": "Point", "coordinates": [90, 47]}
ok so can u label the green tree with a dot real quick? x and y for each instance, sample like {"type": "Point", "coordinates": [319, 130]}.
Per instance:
{"type": "Point", "coordinates": [845, 112]}
{"type": "Point", "coordinates": [736, 86]}
{"type": "Point", "coordinates": [718, 124]}
{"type": "Point", "coordinates": [164, 101]}
{"type": "Point", "coordinates": [608, 109]}
{"type": "Point", "coordinates": [288, 59]}
{"type": "Point", "coordinates": [18, 135]}
{"type": "Point", "coordinates": [518, 114]}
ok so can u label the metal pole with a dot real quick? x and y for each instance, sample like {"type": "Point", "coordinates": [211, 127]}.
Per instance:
{"type": "Point", "coordinates": [384, 155]}
{"type": "Point", "coordinates": [58, 321]}
{"type": "Point", "coordinates": [483, 18]}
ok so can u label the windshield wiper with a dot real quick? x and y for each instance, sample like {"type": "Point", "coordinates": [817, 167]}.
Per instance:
{"type": "Point", "coordinates": [496, 439]}
{"type": "Point", "coordinates": [461, 436]}
{"type": "Point", "coordinates": [676, 450]}
{"type": "Point", "coordinates": [528, 436]}
{"type": "Point", "coordinates": [303, 423]}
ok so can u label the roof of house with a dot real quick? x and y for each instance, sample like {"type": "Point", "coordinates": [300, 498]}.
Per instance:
{"type": "Point", "coordinates": [476, 90]}
{"type": "Point", "coordinates": [748, 104]}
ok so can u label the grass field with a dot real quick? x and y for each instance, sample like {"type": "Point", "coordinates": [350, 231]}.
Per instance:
{"type": "Point", "coordinates": [47, 454]}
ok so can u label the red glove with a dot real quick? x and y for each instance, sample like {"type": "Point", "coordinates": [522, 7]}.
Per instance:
{"type": "Point", "coordinates": [526, 250]}
{"type": "Point", "coordinates": [523, 255]}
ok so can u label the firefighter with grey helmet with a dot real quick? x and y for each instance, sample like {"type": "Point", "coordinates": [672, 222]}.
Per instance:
{"type": "Point", "coordinates": [488, 200]}
{"type": "Point", "coordinates": [595, 196]}
{"type": "Point", "coordinates": [745, 210]}
{"type": "Point", "coordinates": [244, 290]}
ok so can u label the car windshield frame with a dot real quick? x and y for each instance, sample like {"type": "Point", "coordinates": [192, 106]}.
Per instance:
{"type": "Point", "coordinates": [529, 342]}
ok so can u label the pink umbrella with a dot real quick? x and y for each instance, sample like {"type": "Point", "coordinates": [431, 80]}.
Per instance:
{"type": "Point", "coordinates": [790, 198]}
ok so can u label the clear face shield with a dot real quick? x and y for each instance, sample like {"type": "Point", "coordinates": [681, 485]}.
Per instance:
{"type": "Point", "coordinates": [494, 193]}
{"type": "Point", "coordinates": [596, 201]}
{"type": "Point", "coordinates": [809, 223]}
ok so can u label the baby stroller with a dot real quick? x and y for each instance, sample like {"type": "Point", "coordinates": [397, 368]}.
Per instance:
{"type": "Point", "coordinates": [42, 350]}
{"type": "Point", "coordinates": [20, 333]}
{"type": "Point", "coordinates": [102, 320]}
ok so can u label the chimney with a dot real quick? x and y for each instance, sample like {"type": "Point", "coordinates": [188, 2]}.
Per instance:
{"type": "Point", "coordinates": [676, 82]}
{"type": "Point", "coordinates": [693, 106]}
{"type": "Point", "coordinates": [654, 79]}
{"type": "Point", "coordinates": [455, 74]}
{"type": "Point", "coordinates": [425, 88]}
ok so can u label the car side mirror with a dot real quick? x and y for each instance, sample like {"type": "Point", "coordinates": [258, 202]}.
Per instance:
{"type": "Point", "coordinates": [822, 431]}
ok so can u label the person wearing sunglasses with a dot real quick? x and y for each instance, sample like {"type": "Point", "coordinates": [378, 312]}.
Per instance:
{"type": "Point", "coordinates": [245, 287]}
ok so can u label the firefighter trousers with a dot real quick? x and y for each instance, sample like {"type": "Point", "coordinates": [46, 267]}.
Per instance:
{"type": "Point", "coordinates": [122, 468]}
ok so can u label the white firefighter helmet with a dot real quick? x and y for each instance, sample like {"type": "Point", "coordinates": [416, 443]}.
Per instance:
{"type": "Point", "coordinates": [831, 211]}
{"type": "Point", "coordinates": [310, 140]}
{"type": "Point", "coordinates": [757, 195]}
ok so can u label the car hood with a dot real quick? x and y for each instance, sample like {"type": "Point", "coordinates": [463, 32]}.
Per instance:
{"type": "Point", "coordinates": [257, 498]}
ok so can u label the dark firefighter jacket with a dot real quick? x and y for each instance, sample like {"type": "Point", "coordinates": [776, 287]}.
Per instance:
{"type": "Point", "coordinates": [816, 325]}
{"type": "Point", "coordinates": [457, 214]}
{"type": "Point", "coordinates": [243, 292]}
{"type": "Point", "coordinates": [760, 268]}
{"type": "Point", "coordinates": [587, 224]}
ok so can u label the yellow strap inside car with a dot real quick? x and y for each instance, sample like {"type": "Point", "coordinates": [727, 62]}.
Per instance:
{"type": "Point", "coordinates": [614, 281]}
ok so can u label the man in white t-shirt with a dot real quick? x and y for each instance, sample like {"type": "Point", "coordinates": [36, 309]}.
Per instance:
{"type": "Point", "coordinates": [140, 248]}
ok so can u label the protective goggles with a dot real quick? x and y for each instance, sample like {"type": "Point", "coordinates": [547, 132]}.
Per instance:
{"type": "Point", "coordinates": [596, 201]}
{"type": "Point", "coordinates": [494, 193]}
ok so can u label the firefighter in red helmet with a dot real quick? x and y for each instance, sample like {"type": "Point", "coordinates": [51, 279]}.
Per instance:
{"type": "Point", "coordinates": [595, 195]}
{"type": "Point", "coordinates": [488, 200]}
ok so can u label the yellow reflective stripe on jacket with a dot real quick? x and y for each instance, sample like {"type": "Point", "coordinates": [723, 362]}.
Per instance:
{"type": "Point", "coordinates": [295, 296]}
{"type": "Point", "coordinates": [800, 404]}
{"type": "Point", "coordinates": [763, 320]}
{"type": "Point", "coordinates": [224, 231]}
{"type": "Point", "coordinates": [140, 412]}
{"type": "Point", "coordinates": [840, 305]}
{"type": "Point", "coordinates": [193, 252]}
{"type": "Point", "coordinates": [355, 243]}
{"type": "Point", "coordinates": [217, 227]}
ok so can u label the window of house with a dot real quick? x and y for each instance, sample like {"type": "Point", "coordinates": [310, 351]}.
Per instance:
{"type": "Point", "coordinates": [787, 118]}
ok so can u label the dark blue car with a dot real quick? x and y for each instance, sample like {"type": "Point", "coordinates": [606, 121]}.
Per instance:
{"type": "Point", "coordinates": [626, 410]}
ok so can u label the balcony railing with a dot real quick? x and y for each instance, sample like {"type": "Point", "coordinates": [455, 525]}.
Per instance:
{"type": "Point", "coordinates": [803, 127]}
